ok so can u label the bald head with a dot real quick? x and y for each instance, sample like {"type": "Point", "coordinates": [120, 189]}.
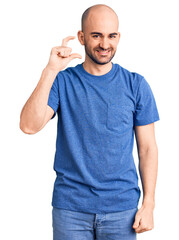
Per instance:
{"type": "Point", "coordinates": [97, 10]}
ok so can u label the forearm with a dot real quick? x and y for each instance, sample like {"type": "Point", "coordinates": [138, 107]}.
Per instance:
{"type": "Point", "coordinates": [33, 112]}
{"type": "Point", "coordinates": [148, 168]}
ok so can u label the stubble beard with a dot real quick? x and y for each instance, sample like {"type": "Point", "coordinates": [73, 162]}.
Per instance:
{"type": "Point", "coordinates": [95, 59]}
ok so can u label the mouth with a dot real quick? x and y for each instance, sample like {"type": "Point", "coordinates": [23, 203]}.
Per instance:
{"type": "Point", "coordinates": [103, 53]}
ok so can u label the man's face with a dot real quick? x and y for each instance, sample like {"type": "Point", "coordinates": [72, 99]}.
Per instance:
{"type": "Point", "coordinates": [101, 37]}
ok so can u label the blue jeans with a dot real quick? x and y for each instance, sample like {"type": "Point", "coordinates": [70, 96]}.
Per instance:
{"type": "Point", "coordinates": [71, 225]}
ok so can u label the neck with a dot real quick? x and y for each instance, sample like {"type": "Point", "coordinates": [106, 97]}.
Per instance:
{"type": "Point", "coordinates": [96, 69]}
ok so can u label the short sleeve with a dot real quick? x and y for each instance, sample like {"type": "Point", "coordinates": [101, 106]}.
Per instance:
{"type": "Point", "coordinates": [146, 111]}
{"type": "Point", "coordinates": [54, 99]}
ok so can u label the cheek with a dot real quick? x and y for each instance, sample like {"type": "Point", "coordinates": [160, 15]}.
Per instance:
{"type": "Point", "coordinates": [91, 46]}
{"type": "Point", "coordinates": [114, 46]}
{"type": "Point", "coordinates": [87, 43]}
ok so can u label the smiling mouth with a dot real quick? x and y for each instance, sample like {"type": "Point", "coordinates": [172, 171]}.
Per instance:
{"type": "Point", "coordinates": [103, 52]}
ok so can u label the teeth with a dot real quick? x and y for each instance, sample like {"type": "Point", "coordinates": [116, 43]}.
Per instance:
{"type": "Point", "coordinates": [104, 52]}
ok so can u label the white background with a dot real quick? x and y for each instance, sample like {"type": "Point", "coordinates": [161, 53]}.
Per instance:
{"type": "Point", "coordinates": [148, 45]}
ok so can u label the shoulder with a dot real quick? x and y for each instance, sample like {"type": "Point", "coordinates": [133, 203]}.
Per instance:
{"type": "Point", "coordinates": [131, 78]}
{"type": "Point", "coordinates": [70, 70]}
{"type": "Point", "coordinates": [68, 73]}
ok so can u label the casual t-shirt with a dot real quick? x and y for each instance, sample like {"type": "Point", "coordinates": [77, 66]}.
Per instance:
{"type": "Point", "coordinates": [94, 164]}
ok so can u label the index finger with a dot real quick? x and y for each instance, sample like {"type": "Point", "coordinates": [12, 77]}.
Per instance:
{"type": "Point", "coordinates": [65, 40]}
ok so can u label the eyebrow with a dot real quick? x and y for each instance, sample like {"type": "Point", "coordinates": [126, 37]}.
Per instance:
{"type": "Point", "coordinates": [102, 34]}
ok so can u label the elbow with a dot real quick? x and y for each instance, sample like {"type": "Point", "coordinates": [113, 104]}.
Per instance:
{"type": "Point", "coordinates": [26, 130]}
{"type": "Point", "coordinates": [150, 150]}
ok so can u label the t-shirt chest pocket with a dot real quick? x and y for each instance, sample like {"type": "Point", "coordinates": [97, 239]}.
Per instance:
{"type": "Point", "coordinates": [119, 117]}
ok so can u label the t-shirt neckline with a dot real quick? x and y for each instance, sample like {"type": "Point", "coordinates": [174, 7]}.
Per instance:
{"type": "Point", "coordinates": [104, 76]}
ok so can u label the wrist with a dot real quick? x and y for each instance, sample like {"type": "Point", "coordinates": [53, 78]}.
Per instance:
{"type": "Point", "coordinates": [50, 70]}
{"type": "Point", "coordinates": [148, 202]}
{"type": "Point", "coordinates": [47, 77]}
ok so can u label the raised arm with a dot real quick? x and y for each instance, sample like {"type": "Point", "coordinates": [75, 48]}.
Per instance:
{"type": "Point", "coordinates": [36, 113]}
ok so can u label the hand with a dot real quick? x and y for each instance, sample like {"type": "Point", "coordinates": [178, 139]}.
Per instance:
{"type": "Point", "coordinates": [60, 56]}
{"type": "Point", "coordinates": [144, 219]}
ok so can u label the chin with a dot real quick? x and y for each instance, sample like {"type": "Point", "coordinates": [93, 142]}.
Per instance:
{"type": "Point", "coordinates": [103, 63]}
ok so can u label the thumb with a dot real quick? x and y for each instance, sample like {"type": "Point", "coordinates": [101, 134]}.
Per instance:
{"type": "Point", "coordinates": [75, 55]}
{"type": "Point", "coordinates": [136, 222]}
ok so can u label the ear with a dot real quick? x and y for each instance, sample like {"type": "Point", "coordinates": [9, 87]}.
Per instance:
{"type": "Point", "coordinates": [119, 35]}
{"type": "Point", "coordinates": [81, 37]}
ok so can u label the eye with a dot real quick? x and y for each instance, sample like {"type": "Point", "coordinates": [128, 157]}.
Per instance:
{"type": "Point", "coordinates": [95, 36]}
{"type": "Point", "coordinates": [113, 36]}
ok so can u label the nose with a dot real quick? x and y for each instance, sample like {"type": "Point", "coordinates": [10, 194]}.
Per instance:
{"type": "Point", "coordinates": [104, 43]}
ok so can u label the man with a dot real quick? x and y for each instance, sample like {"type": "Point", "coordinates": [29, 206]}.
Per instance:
{"type": "Point", "coordinates": [100, 107]}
